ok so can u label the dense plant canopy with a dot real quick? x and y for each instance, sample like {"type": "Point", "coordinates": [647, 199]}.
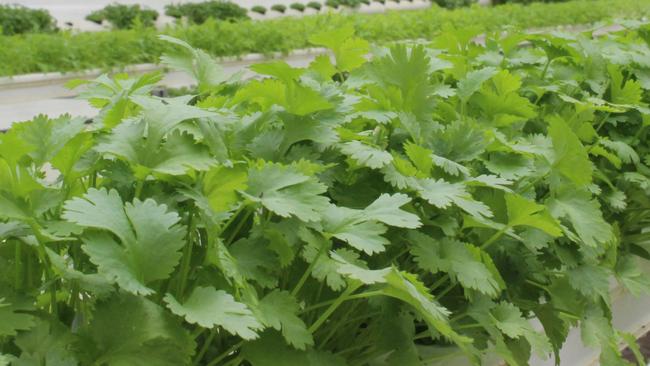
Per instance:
{"type": "Point", "coordinates": [406, 210]}
{"type": "Point", "coordinates": [16, 19]}
{"type": "Point", "coordinates": [122, 16]}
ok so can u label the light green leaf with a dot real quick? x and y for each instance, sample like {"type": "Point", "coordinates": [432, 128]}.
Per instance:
{"type": "Point", "coordinates": [442, 194]}
{"type": "Point", "coordinates": [571, 158]}
{"type": "Point", "coordinates": [221, 184]}
{"type": "Point", "coordinates": [366, 276]}
{"type": "Point", "coordinates": [473, 81]}
{"type": "Point", "coordinates": [279, 310]}
{"type": "Point", "coordinates": [524, 212]}
{"type": "Point", "coordinates": [366, 155]}
{"type": "Point", "coordinates": [386, 209]}
{"type": "Point", "coordinates": [457, 259]}
{"type": "Point", "coordinates": [583, 212]}
{"type": "Point", "coordinates": [14, 314]}
{"type": "Point", "coordinates": [286, 191]}
{"type": "Point", "coordinates": [150, 238]}
{"type": "Point", "coordinates": [127, 330]}
{"type": "Point", "coordinates": [209, 307]}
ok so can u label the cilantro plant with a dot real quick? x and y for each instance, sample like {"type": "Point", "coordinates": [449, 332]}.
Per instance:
{"type": "Point", "coordinates": [422, 206]}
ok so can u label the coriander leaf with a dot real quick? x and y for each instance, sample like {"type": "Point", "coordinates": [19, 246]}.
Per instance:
{"type": "Point", "coordinates": [209, 307]}
{"type": "Point", "coordinates": [279, 310]}
{"type": "Point", "coordinates": [286, 191]}
{"type": "Point", "coordinates": [127, 330]}
{"type": "Point", "coordinates": [631, 275]}
{"type": "Point", "coordinates": [457, 259]}
{"type": "Point", "coordinates": [366, 276]}
{"type": "Point", "coordinates": [584, 214]}
{"type": "Point", "coordinates": [442, 194]}
{"type": "Point", "coordinates": [14, 314]}
{"type": "Point", "coordinates": [349, 51]}
{"type": "Point", "coordinates": [150, 238]}
{"type": "Point", "coordinates": [48, 136]}
{"type": "Point", "coordinates": [258, 351]}
{"type": "Point", "coordinates": [386, 209]}
{"type": "Point", "coordinates": [509, 320]}
{"type": "Point", "coordinates": [590, 280]}
{"type": "Point", "coordinates": [47, 343]}
{"type": "Point", "coordinates": [524, 212]}
{"type": "Point", "coordinates": [571, 159]}
{"type": "Point", "coordinates": [366, 155]}
{"type": "Point", "coordinates": [473, 81]}
{"type": "Point", "coordinates": [221, 184]}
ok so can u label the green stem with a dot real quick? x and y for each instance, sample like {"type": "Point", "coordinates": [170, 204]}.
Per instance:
{"type": "Point", "coordinates": [484, 246]}
{"type": "Point", "coordinates": [537, 284]}
{"type": "Point", "coordinates": [205, 346]}
{"type": "Point", "coordinates": [439, 283]}
{"type": "Point", "coordinates": [344, 296]}
{"type": "Point", "coordinates": [240, 224]}
{"type": "Point", "coordinates": [19, 265]}
{"type": "Point", "coordinates": [138, 188]}
{"type": "Point", "coordinates": [42, 255]}
{"type": "Point", "coordinates": [234, 362]}
{"type": "Point", "coordinates": [187, 258]}
{"type": "Point", "coordinates": [225, 354]}
{"type": "Point", "coordinates": [602, 122]}
{"type": "Point", "coordinates": [494, 237]}
{"type": "Point", "coordinates": [307, 272]}
{"type": "Point", "coordinates": [548, 63]}
{"type": "Point", "coordinates": [362, 295]}
{"type": "Point", "coordinates": [341, 321]}
{"type": "Point", "coordinates": [469, 326]}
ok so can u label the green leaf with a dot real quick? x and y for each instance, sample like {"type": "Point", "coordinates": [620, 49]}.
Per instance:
{"type": "Point", "coordinates": [457, 259]}
{"type": "Point", "coordinates": [127, 330]}
{"type": "Point", "coordinates": [257, 353]}
{"type": "Point", "coordinates": [177, 155]}
{"type": "Point", "coordinates": [473, 81]}
{"type": "Point", "coordinates": [363, 229]}
{"type": "Point", "coordinates": [590, 280]}
{"type": "Point", "coordinates": [442, 194]}
{"type": "Point", "coordinates": [386, 209]}
{"type": "Point", "coordinates": [221, 184]}
{"type": "Point", "coordinates": [14, 314]}
{"type": "Point", "coordinates": [48, 343]}
{"type": "Point", "coordinates": [631, 275]}
{"type": "Point", "coordinates": [149, 238]}
{"type": "Point", "coordinates": [209, 307]}
{"type": "Point", "coordinates": [584, 214]}
{"type": "Point", "coordinates": [524, 212]}
{"type": "Point", "coordinates": [356, 272]}
{"type": "Point", "coordinates": [203, 67]}
{"type": "Point", "coordinates": [48, 136]}
{"type": "Point", "coordinates": [278, 69]}
{"type": "Point", "coordinates": [279, 310]}
{"type": "Point", "coordinates": [571, 159]}
{"type": "Point", "coordinates": [366, 155]}
{"type": "Point", "coordinates": [349, 51]}
{"type": "Point", "coordinates": [286, 191]}
{"type": "Point", "coordinates": [624, 91]}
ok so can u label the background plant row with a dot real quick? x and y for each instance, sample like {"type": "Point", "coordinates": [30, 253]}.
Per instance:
{"type": "Point", "coordinates": [16, 19]}
{"type": "Point", "coordinates": [68, 52]}
{"type": "Point", "coordinates": [410, 209]}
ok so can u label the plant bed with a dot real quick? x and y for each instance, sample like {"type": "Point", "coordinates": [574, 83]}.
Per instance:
{"type": "Point", "coordinates": [423, 205]}
{"type": "Point", "coordinates": [74, 52]}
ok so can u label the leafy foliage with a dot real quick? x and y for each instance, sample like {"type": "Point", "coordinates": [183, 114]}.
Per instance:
{"type": "Point", "coordinates": [426, 203]}
{"type": "Point", "coordinates": [122, 16]}
{"type": "Point", "coordinates": [17, 19]}
{"type": "Point", "coordinates": [90, 50]}
{"type": "Point", "coordinates": [200, 12]}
